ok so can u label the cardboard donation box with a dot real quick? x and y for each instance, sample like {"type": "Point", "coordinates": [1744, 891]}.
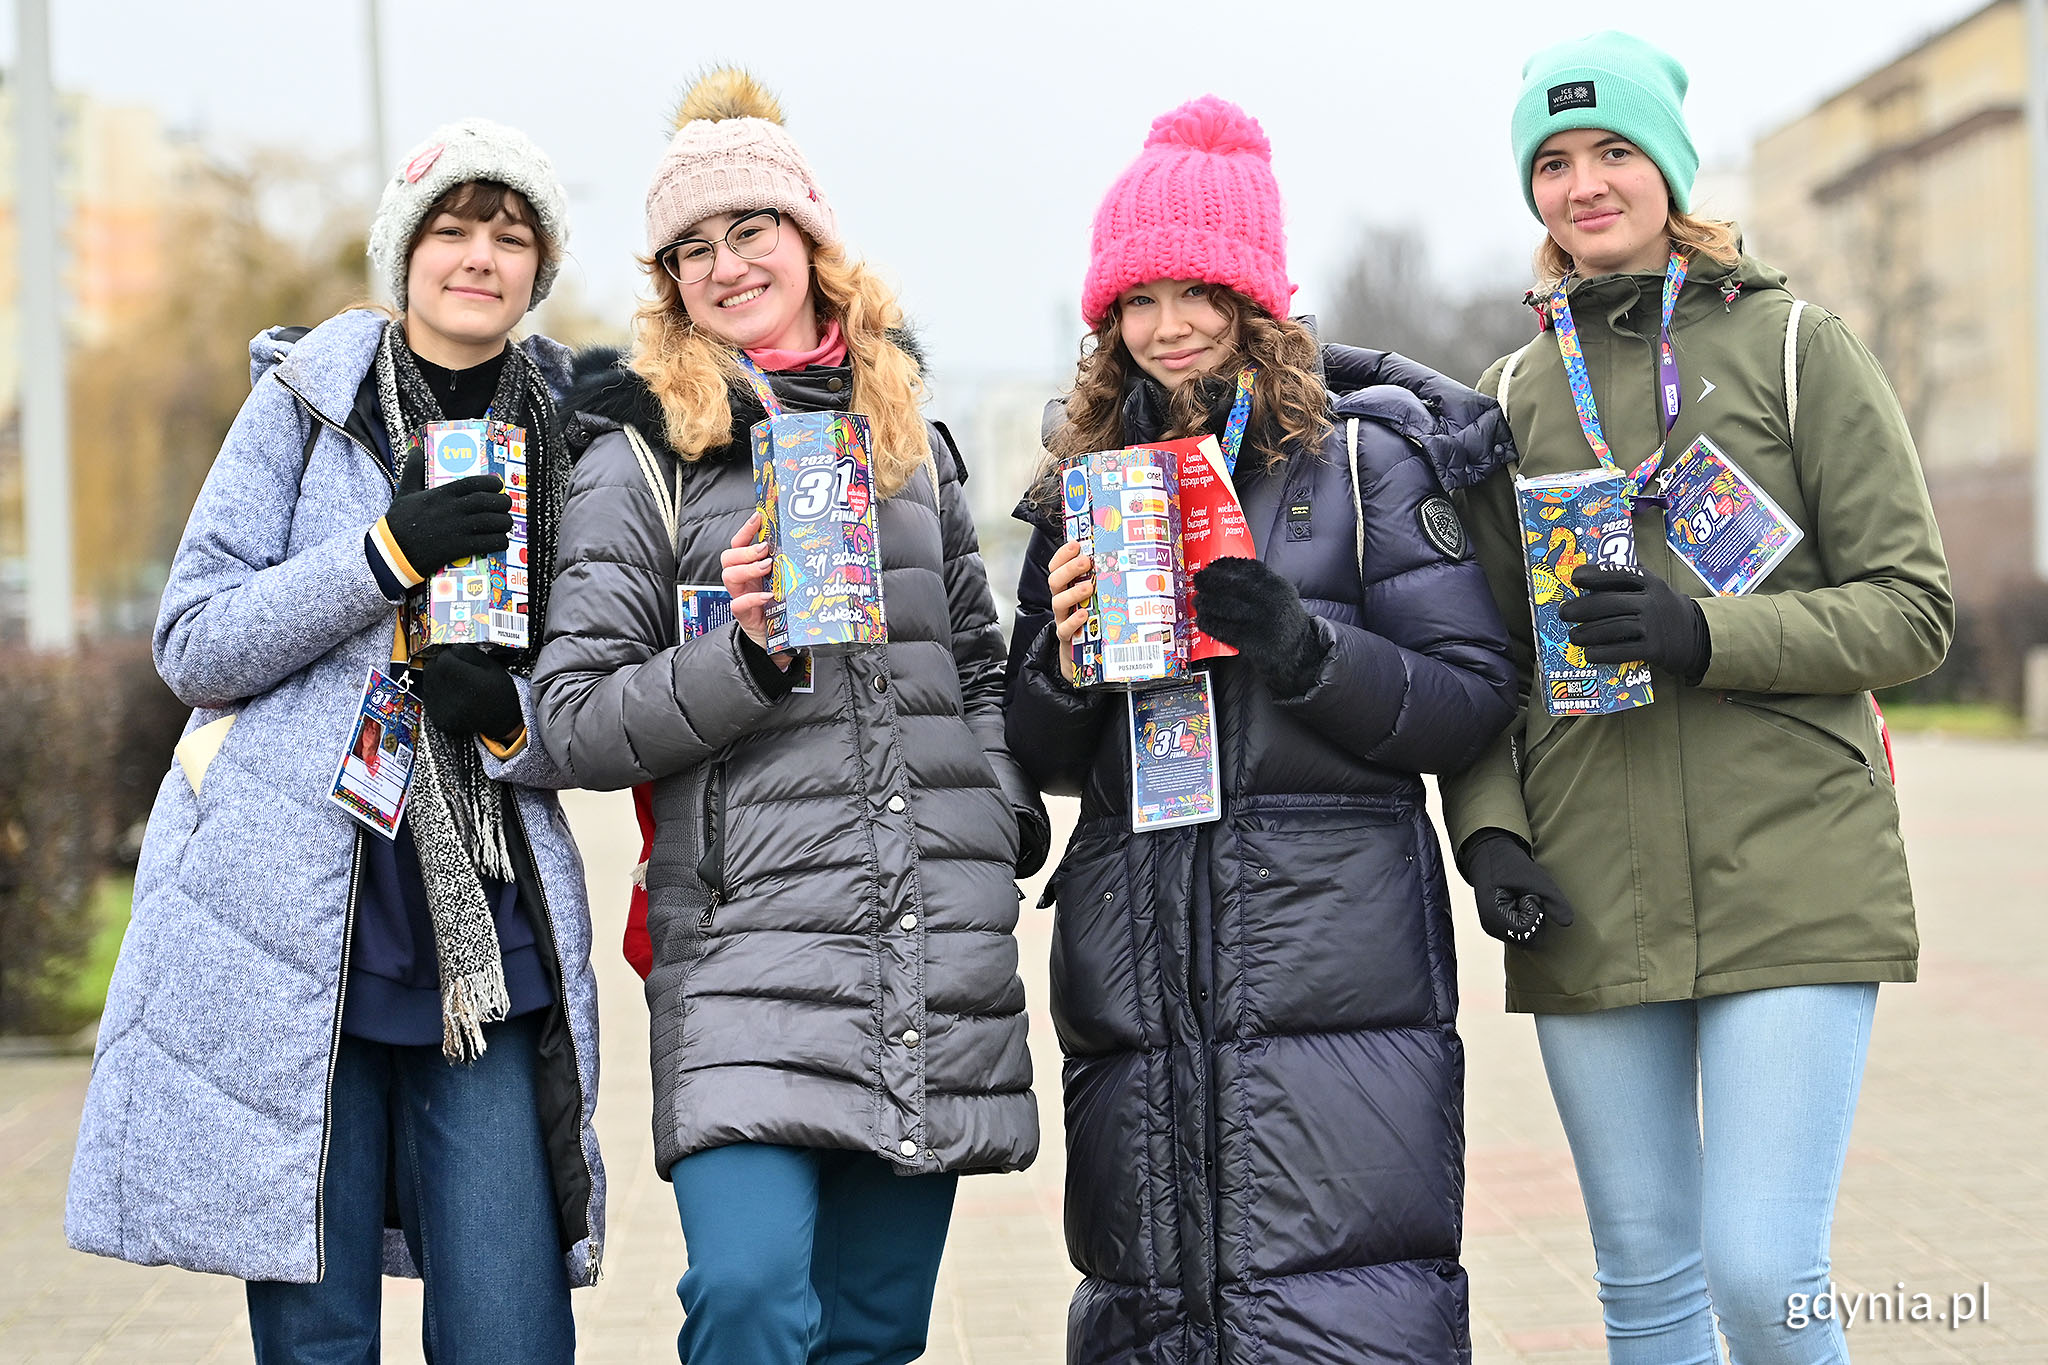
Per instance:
{"type": "Point", "coordinates": [1151, 517]}
{"type": "Point", "coordinates": [479, 601]}
{"type": "Point", "coordinates": [814, 481]}
{"type": "Point", "coordinates": [1569, 520]}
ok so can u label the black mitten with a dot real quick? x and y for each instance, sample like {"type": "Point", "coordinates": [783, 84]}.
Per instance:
{"type": "Point", "coordinates": [434, 527]}
{"type": "Point", "coordinates": [1034, 839]}
{"type": "Point", "coordinates": [467, 692]}
{"type": "Point", "coordinates": [1258, 613]}
{"type": "Point", "coordinates": [1623, 615]}
{"type": "Point", "coordinates": [1515, 895]}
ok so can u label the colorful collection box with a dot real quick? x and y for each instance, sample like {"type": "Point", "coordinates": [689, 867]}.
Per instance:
{"type": "Point", "coordinates": [1123, 508]}
{"type": "Point", "coordinates": [815, 485]}
{"type": "Point", "coordinates": [1569, 520]}
{"type": "Point", "coordinates": [479, 601]}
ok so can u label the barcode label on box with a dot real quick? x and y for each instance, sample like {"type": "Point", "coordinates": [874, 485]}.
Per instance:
{"type": "Point", "coordinates": [509, 628]}
{"type": "Point", "coordinates": [1127, 661]}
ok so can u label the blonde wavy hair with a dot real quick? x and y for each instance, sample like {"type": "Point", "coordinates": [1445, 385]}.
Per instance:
{"type": "Point", "coordinates": [1288, 399]}
{"type": "Point", "coordinates": [1714, 238]}
{"type": "Point", "coordinates": [694, 375]}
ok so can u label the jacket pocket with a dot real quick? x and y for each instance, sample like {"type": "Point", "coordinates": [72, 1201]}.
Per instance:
{"type": "Point", "coordinates": [195, 752]}
{"type": "Point", "coordinates": [1541, 744]}
{"type": "Point", "coordinates": [1098, 929]}
{"type": "Point", "coordinates": [711, 863]}
{"type": "Point", "coordinates": [1821, 721]}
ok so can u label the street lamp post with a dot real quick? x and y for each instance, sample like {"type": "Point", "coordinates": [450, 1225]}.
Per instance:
{"type": "Point", "coordinates": [45, 452]}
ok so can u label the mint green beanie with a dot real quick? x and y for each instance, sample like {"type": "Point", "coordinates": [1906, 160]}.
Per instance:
{"type": "Point", "coordinates": [1618, 83]}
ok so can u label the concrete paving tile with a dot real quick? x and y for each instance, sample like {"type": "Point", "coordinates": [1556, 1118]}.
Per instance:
{"type": "Point", "coordinates": [1946, 1185]}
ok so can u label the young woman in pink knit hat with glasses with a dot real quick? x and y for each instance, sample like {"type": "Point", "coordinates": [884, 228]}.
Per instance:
{"type": "Point", "coordinates": [1264, 1077]}
{"type": "Point", "coordinates": [838, 1027]}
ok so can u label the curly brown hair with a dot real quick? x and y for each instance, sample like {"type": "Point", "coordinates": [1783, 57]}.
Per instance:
{"type": "Point", "coordinates": [1290, 407]}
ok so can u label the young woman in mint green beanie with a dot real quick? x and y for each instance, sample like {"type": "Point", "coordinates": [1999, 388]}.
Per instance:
{"type": "Point", "coordinates": [1699, 895]}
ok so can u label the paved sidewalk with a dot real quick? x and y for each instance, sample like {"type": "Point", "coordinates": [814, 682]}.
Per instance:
{"type": "Point", "coordinates": [1947, 1188]}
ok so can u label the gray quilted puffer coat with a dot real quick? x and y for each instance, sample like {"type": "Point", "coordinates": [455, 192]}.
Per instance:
{"type": "Point", "coordinates": [204, 1138]}
{"type": "Point", "coordinates": [830, 892]}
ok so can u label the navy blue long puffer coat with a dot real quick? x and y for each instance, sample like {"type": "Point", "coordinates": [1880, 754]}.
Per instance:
{"type": "Point", "coordinates": [1264, 1081]}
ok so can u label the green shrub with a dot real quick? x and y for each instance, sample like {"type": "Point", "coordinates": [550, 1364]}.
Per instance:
{"type": "Point", "coordinates": [88, 738]}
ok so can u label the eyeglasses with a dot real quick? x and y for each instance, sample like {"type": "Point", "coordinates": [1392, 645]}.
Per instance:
{"type": "Point", "coordinates": [750, 238]}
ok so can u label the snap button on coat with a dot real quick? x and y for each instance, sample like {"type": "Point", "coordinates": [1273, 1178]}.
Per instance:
{"type": "Point", "coordinates": [907, 923]}
{"type": "Point", "coordinates": [896, 805]}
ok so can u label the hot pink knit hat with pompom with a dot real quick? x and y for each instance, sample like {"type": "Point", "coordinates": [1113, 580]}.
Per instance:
{"type": "Point", "coordinates": [1199, 203]}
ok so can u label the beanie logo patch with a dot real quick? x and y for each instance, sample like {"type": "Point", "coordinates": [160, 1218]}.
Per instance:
{"type": "Point", "coordinates": [1441, 526]}
{"type": "Point", "coordinates": [1573, 95]}
{"type": "Point", "coordinates": [422, 163]}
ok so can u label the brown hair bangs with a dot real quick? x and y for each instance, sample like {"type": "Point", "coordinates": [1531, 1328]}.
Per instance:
{"type": "Point", "coordinates": [479, 201]}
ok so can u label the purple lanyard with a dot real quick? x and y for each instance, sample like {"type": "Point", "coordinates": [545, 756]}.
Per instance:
{"type": "Point", "coordinates": [1582, 385]}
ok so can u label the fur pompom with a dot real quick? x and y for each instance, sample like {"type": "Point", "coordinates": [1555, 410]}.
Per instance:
{"type": "Point", "coordinates": [1210, 124]}
{"type": "Point", "coordinates": [726, 92]}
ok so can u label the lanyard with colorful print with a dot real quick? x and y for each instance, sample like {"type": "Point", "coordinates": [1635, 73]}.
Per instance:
{"type": "Point", "coordinates": [1582, 385]}
{"type": "Point", "coordinates": [769, 403]}
{"type": "Point", "coordinates": [1240, 414]}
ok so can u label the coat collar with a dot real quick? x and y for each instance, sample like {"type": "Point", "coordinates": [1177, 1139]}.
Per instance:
{"type": "Point", "coordinates": [325, 366]}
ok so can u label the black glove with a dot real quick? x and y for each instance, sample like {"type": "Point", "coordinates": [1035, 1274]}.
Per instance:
{"type": "Point", "coordinates": [1623, 615]}
{"type": "Point", "coordinates": [434, 527]}
{"type": "Point", "coordinates": [1258, 613]}
{"type": "Point", "coordinates": [1516, 896]}
{"type": "Point", "coordinates": [1034, 839]}
{"type": "Point", "coordinates": [467, 692]}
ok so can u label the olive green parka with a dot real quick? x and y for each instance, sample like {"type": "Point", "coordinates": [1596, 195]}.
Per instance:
{"type": "Point", "coordinates": [1744, 833]}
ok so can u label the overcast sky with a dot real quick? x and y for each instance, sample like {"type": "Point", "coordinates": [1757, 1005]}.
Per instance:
{"type": "Point", "coordinates": [963, 146]}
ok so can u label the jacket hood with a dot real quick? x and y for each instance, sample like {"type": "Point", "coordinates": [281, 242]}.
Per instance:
{"type": "Point", "coordinates": [1621, 292]}
{"type": "Point", "coordinates": [1458, 428]}
{"type": "Point", "coordinates": [325, 365]}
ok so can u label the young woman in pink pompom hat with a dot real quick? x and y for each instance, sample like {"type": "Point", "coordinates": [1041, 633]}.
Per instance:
{"type": "Point", "coordinates": [1264, 1077]}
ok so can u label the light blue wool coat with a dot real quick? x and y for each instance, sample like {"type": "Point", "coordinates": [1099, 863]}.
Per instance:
{"type": "Point", "coordinates": [204, 1136]}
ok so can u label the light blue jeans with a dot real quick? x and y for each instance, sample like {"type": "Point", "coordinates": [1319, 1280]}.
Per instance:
{"type": "Point", "coordinates": [1685, 1230]}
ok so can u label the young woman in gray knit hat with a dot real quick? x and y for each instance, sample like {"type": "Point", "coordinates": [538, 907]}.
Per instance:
{"type": "Point", "coordinates": [317, 1019]}
{"type": "Point", "coordinates": [838, 1028]}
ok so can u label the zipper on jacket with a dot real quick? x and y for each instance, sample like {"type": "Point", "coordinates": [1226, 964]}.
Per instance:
{"type": "Point", "coordinates": [348, 937]}
{"type": "Point", "coordinates": [711, 865]}
{"type": "Point", "coordinates": [547, 919]}
{"type": "Point", "coordinates": [1832, 740]}
{"type": "Point", "coordinates": [390, 475]}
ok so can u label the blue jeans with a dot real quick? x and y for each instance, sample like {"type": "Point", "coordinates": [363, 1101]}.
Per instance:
{"type": "Point", "coordinates": [1686, 1230]}
{"type": "Point", "coordinates": [475, 1202]}
{"type": "Point", "coordinates": [806, 1257]}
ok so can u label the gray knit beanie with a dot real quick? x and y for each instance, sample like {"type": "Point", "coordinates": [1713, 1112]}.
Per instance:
{"type": "Point", "coordinates": [454, 154]}
{"type": "Point", "coordinates": [731, 154]}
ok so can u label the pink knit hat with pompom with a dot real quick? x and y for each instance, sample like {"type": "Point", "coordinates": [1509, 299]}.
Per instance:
{"type": "Point", "coordinates": [1199, 203]}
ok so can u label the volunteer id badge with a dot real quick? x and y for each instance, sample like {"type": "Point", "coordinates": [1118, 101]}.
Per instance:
{"type": "Point", "coordinates": [376, 768]}
{"type": "Point", "coordinates": [1723, 525]}
{"type": "Point", "coordinates": [1175, 779]}
{"type": "Point", "coordinates": [703, 607]}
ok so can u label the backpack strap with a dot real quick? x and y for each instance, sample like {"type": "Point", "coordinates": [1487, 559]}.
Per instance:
{"type": "Point", "coordinates": [1357, 494]}
{"type": "Point", "coordinates": [667, 500]}
{"type": "Point", "coordinates": [1792, 368]}
{"type": "Point", "coordinates": [1507, 375]}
